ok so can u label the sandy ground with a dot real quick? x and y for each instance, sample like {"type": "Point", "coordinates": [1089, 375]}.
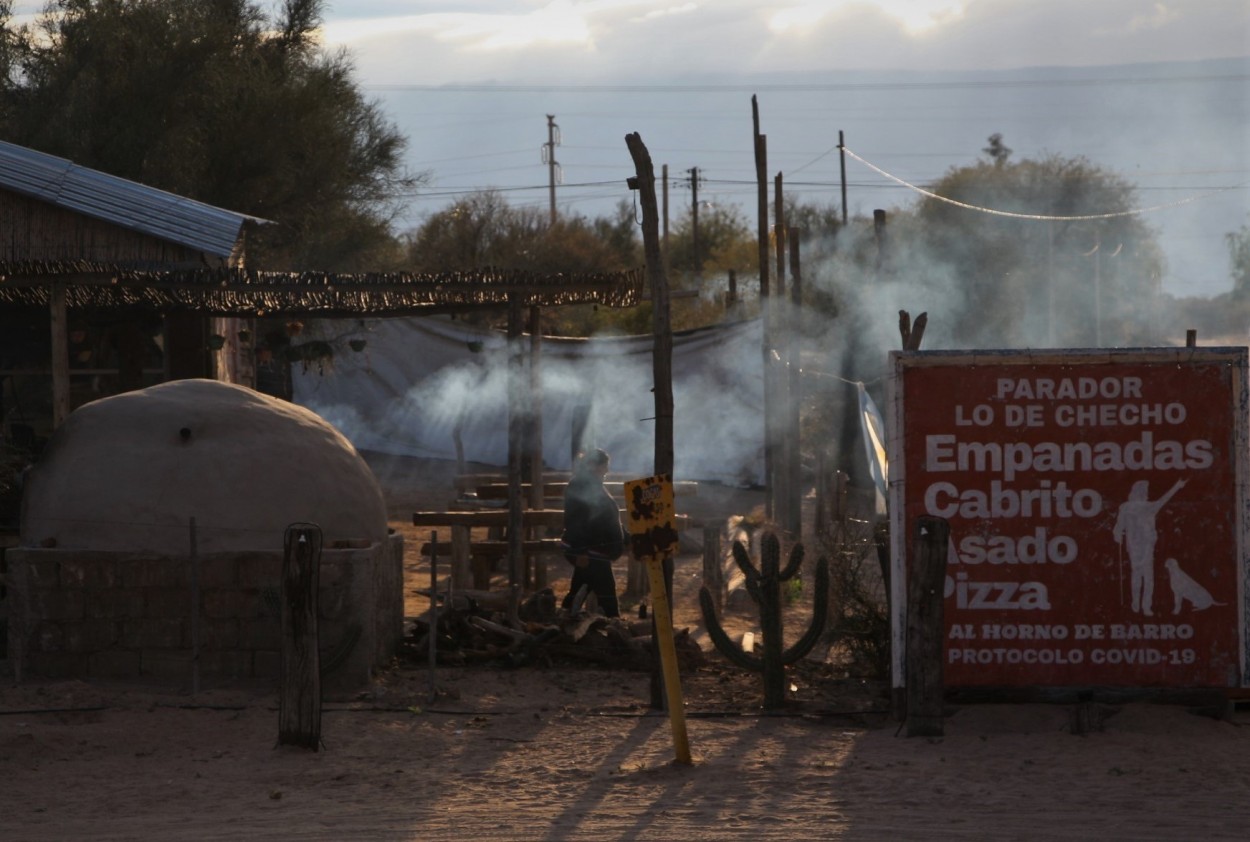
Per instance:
{"type": "Point", "coordinates": [556, 752]}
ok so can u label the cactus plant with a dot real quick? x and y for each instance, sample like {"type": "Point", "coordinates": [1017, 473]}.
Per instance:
{"type": "Point", "coordinates": [764, 586]}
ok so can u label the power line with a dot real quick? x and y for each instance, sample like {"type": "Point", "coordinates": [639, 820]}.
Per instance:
{"type": "Point", "coordinates": [1037, 216]}
{"type": "Point", "coordinates": [464, 191]}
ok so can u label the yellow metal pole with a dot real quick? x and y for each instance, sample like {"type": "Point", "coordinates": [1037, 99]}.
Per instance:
{"type": "Point", "coordinates": [668, 659]}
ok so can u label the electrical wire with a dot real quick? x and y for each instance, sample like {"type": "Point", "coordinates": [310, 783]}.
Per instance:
{"type": "Point", "coordinates": [1039, 216]}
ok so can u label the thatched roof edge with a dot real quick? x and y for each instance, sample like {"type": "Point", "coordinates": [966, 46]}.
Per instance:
{"type": "Point", "coordinates": [240, 292]}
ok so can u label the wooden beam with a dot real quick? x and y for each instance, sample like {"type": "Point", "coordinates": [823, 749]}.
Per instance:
{"type": "Point", "coordinates": [499, 517]}
{"type": "Point", "coordinates": [555, 489]}
{"type": "Point", "coordinates": [60, 357]}
{"type": "Point", "coordinates": [163, 281]}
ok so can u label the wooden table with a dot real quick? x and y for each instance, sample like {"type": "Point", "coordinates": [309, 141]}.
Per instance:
{"type": "Point", "coordinates": [554, 489]}
{"type": "Point", "coordinates": [472, 562]}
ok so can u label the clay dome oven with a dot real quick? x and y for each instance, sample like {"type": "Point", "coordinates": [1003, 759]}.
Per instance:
{"type": "Point", "coordinates": [127, 473]}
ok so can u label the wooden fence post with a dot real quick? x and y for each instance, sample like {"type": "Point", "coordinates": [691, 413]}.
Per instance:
{"type": "Point", "coordinates": [925, 684]}
{"type": "Point", "coordinates": [299, 710]}
{"type": "Point", "coordinates": [432, 637]}
{"type": "Point", "coordinates": [461, 562]}
{"type": "Point", "coordinates": [195, 611]}
{"type": "Point", "coordinates": [713, 576]}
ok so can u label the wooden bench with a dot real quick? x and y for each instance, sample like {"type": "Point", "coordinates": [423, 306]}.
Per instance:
{"type": "Point", "coordinates": [484, 556]}
{"type": "Point", "coordinates": [553, 518]}
{"type": "Point", "coordinates": [494, 549]}
{"type": "Point", "coordinates": [473, 561]}
{"type": "Point", "coordinates": [554, 489]}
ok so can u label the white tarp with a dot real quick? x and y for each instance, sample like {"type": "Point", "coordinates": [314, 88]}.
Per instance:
{"type": "Point", "coordinates": [418, 377]}
{"type": "Point", "coordinates": [874, 445]}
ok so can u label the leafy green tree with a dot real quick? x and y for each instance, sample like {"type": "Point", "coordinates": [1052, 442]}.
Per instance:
{"type": "Point", "coordinates": [725, 241]}
{"type": "Point", "coordinates": [219, 101]}
{"type": "Point", "coordinates": [484, 230]}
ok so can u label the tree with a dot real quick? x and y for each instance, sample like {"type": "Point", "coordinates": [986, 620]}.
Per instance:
{"type": "Point", "coordinates": [998, 151]}
{"type": "Point", "coordinates": [1239, 254]}
{"type": "Point", "coordinates": [725, 241]}
{"type": "Point", "coordinates": [484, 230]}
{"type": "Point", "coordinates": [1061, 261]}
{"type": "Point", "coordinates": [215, 100]}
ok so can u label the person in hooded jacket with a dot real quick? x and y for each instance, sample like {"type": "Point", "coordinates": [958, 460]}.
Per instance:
{"type": "Point", "coordinates": [593, 537]}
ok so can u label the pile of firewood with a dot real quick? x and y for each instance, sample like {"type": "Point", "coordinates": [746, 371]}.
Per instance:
{"type": "Point", "coordinates": [494, 627]}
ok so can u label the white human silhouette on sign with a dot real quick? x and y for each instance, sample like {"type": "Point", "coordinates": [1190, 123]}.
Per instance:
{"type": "Point", "coordinates": [1135, 532]}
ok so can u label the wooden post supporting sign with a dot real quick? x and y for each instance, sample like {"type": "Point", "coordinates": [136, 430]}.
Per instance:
{"type": "Point", "coordinates": [649, 504]}
{"type": "Point", "coordinates": [925, 684]}
{"type": "Point", "coordinates": [299, 709]}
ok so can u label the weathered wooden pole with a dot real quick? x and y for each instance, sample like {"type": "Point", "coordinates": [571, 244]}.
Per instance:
{"type": "Point", "coordinates": [516, 427]}
{"type": "Point", "coordinates": [882, 238]}
{"type": "Point", "coordinates": [662, 363]}
{"type": "Point", "coordinates": [925, 632]}
{"type": "Point", "coordinates": [713, 574]}
{"type": "Point", "coordinates": [776, 401]}
{"type": "Point", "coordinates": [299, 709]}
{"type": "Point", "coordinates": [195, 609]}
{"type": "Point", "coordinates": [536, 564]}
{"type": "Point", "coordinates": [60, 356]}
{"type": "Point", "coordinates": [534, 425]}
{"type": "Point", "coordinates": [820, 516]}
{"type": "Point", "coordinates": [761, 181]}
{"type": "Point", "coordinates": [461, 558]}
{"type": "Point", "coordinates": [911, 334]}
{"type": "Point", "coordinates": [794, 392]}
{"type": "Point", "coordinates": [432, 638]}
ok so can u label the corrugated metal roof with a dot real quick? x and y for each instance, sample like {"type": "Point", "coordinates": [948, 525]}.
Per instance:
{"type": "Point", "coordinates": [125, 203]}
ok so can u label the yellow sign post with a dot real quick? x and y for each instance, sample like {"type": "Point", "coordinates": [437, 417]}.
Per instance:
{"type": "Point", "coordinates": [649, 503]}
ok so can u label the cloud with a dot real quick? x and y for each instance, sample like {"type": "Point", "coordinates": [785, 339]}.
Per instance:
{"type": "Point", "coordinates": [594, 41]}
{"type": "Point", "coordinates": [1158, 17]}
{"type": "Point", "coordinates": [558, 23]}
{"type": "Point", "coordinates": [914, 16]}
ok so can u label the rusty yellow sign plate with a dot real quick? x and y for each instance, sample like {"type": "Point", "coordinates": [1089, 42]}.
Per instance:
{"type": "Point", "coordinates": [651, 516]}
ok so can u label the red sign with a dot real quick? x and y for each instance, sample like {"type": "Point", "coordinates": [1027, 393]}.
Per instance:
{"type": "Point", "coordinates": [1094, 502]}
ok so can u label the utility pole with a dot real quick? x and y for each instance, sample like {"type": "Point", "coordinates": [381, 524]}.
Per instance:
{"type": "Point", "coordinates": [549, 158]}
{"type": "Point", "coordinates": [760, 144]}
{"type": "Point", "coordinates": [778, 384]}
{"type": "Point", "coordinates": [664, 214]}
{"type": "Point", "coordinates": [842, 156]}
{"type": "Point", "coordinates": [694, 220]}
{"type": "Point", "coordinates": [1097, 288]}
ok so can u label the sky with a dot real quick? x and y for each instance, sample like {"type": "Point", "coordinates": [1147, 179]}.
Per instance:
{"type": "Point", "coordinates": [1156, 91]}
{"type": "Point", "coordinates": [917, 86]}
{"type": "Point", "coordinates": [405, 41]}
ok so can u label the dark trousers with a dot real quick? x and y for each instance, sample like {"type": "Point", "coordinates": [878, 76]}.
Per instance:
{"type": "Point", "coordinates": [597, 574]}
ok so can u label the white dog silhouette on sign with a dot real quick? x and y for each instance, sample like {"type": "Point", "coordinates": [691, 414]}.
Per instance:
{"type": "Point", "coordinates": [1185, 589]}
